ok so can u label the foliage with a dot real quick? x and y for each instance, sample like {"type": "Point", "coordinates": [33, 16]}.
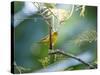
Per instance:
{"type": "Point", "coordinates": [86, 37]}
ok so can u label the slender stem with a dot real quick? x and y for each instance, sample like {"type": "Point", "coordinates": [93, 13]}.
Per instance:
{"type": "Point", "coordinates": [52, 13]}
{"type": "Point", "coordinates": [17, 67]}
{"type": "Point", "coordinates": [50, 39]}
{"type": "Point", "coordinates": [72, 10]}
{"type": "Point", "coordinates": [50, 44]}
{"type": "Point", "coordinates": [68, 17]}
{"type": "Point", "coordinates": [74, 57]}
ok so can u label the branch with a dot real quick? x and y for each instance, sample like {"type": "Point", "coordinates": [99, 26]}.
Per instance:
{"type": "Point", "coordinates": [72, 10]}
{"type": "Point", "coordinates": [72, 56]}
{"type": "Point", "coordinates": [50, 35]}
{"type": "Point", "coordinates": [71, 13]}
{"type": "Point", "coordinates": [15, 65]}
{"type": "Point", "coordinates": [42, 14]}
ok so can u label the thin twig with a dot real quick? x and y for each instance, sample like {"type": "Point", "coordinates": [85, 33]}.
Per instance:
{"type": "Point", "coordinates": [17, 67]}
{"type": "Point", "coordinates": [71, 13]}
{"type": "Point", "coordinates": [50, 35]}
{"type": "Point", "coordinates": [72, 10]}
{"type": "Point", "coordinates": [50, 44]}
{"type": "Point", "coordinates": [52, 13]}
{"type": "Point", "coordinates": [72, 56]}
{"type": "Point", "coordinates": [43, 15]}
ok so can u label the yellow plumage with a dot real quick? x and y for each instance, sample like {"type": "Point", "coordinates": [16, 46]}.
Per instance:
{"type": "Point", "coordinates": [46, 39]}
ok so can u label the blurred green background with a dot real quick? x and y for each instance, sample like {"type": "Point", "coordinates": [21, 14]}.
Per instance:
{"type": "Point", "coordinates": [76, 35]}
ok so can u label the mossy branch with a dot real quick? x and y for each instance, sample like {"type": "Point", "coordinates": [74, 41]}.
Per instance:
{"type": "Point", "coordinates": [72, 56]}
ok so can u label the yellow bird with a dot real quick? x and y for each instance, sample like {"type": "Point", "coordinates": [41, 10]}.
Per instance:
{"type": "Point", "coordinates": [46, 39]}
